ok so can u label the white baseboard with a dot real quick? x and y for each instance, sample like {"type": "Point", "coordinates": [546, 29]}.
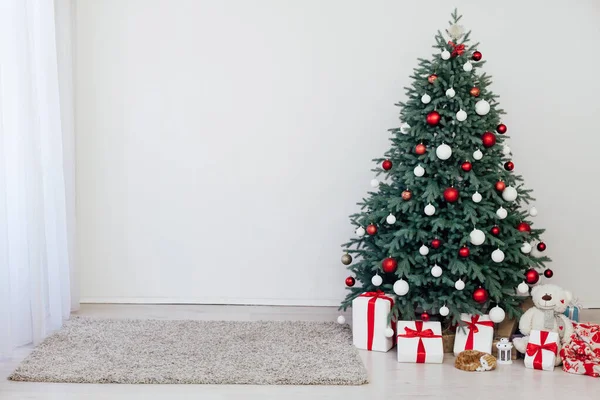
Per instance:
{"type": "Point", "coordinates": [215, 300]}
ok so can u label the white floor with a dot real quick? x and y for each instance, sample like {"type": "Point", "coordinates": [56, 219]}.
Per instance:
{"type": "Point", "coordinates": [388, 378]}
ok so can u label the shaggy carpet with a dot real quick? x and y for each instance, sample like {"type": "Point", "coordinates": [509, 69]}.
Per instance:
{"type": "Point", "coordinates": [208, 352]}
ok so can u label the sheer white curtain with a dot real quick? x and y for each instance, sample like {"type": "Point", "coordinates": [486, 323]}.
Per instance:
{"type": "Point", "coordinates": [36, 170]}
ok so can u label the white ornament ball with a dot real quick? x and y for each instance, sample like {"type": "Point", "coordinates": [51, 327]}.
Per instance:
{"type": "Point", "coordinates": [419, 171]}
{"type": "Point", "coordinates": [450, 93]}
{"type": "Point", "coordinates": [391, 219]}
{"type": "Point", "coordinates": [533, 211]}
{"type": "Point", "coordinates": [425, 99]}
{"type": "Point", "coordinates": [477, 155]}
{"type": "Point", "coordinates": [506, 150]}
{"type": "Point", "coordinates": [445, 55]}
{"type": "Point", "coordinates": [360, 231]}
{"type": "Point", "coordinates": [404, 128]}
{"type": "Point", "coordinates": [482, 107]}
{"type": "Point", "coordinates": [498, 255]}
{"type": "Point", "coordinates": [509, 193]}
{"type": "Point", "coordinates": [444, 311]}
{"type": "Point", "coordinates": [429, 209]}
{"type": "Point", "coordinates": [374, 183]}
{"type": "Point", "coordinates": [341, 320]}
{"type": "Point", "coordinates": [467, 67]}
{"type": "Point", "coordinates": [423, 250]}
{"type": "Point", "coordinates": [389, 332]}
{"type": "Point", "coordinates": [497, 315]}
{"type": "Point", "coordinates": [459, 284]}
{"type": "Point", "coordinates": [501, 213]}
{"type": "Point", "coordinates": [436, 271]}
{"type": "Point", "coordinates": [401, 287]}
{"type": "Point", "coordinates": [523, 288]}
{"type": "Point", "coordinates": [525, 248]}
{"type": "Point", "coordinates": [461, 115]}
{"type": "Point", "coordinates": [477, 237]}
{"type": "Point", "coordinates": [376, 280]}
{"type": "Point", "coordinates": [534, 251]}
{"type": "Point", "coordinates": [443, 151]}
{"type": "Point", "coordinates": [476, 197]}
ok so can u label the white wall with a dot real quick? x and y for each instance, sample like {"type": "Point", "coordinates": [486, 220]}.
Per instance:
{"type": "Point", "coordinates": [222, 144]}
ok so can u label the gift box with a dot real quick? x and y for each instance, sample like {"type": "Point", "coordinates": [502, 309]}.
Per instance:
{"type": "Point", "coordinates": [541, 350]}
{"type": "Point", "coordinates": [475, 332]}
{"type": "Point", "coordinates": [420, 342]}
{"type": "Point", "coordinates": [370, 313]}
{"type": "Point", "coordinates": [572, 312]}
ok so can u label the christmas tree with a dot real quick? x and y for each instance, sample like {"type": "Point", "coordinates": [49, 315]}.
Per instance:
{"type": "Point", "coordinates": [447, 228]}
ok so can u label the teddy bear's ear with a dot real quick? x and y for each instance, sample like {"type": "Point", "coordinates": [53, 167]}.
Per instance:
{"type": "Point", "coordinates": [568, 296]}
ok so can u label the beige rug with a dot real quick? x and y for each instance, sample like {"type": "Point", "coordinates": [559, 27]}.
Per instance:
{"type": "Point", "coordinates": [205, 352]}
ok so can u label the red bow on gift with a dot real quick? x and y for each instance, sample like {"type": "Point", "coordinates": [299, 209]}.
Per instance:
{"type": "Point", "coordinates": [534, 349]}
{"type": "Point", "coordinates": [473, 329]}
{"type": "Point", "coordinates": [457, 49]}
{"type": "Point", "coordinates": [420, 333]}
{"type": "Point", "coordinates": [371, 313]}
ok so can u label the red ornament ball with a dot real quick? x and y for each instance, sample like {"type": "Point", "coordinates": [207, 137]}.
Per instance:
{"type": "Point", "coordinates": [451, 195]}
{"type": "Point", "coordinates": [524, 227]}
{"type": "Point", "coordinates": [387, 165]}
{"type": "Point", "coordinates": [500, 186]}
{"type": "Point", "coordinates": [541, 246]}
{"type": "Point", "coordinates": [350, 281]}
{"type": "Point", "coordinates": [495, 230]}
{"type": "Point", "coordinates": [424, 317]}
{"type": "Point", "coordinates": [432, 78]}
{"type": "Point", "coordinates": [548, 273]}
{"type": "Point", "coordinates": [406, 195]}
{"type": "Point", "coordinates": [477, 56]}
{"type": "Point", "coordinates": [466, 166]}
{"type": "Point", "coordinates": [488, 139]}
{"type": "Point", "coordinates": [372, 229]}
{"type": "Point", "coordinates": [464, 252]}
{"type": "Point", "coordinates": [532, 276]}
{"type": "Point", "coordinates": [509, 166]}
{"type": "Point", "coordinates": [475, 91]}
{"type": "Point", "coordinates": [389, 265]}
{"type": "Point", "coordinates": [436, 243]}
{"type": "Point", "coordinates": [433, 118]}
{"type": "Point", "coordinates": [480, 295]}
{"type": "Point", "coordinates": [420, 149]}
{"type": "Point", "coordinates": [501, 129]}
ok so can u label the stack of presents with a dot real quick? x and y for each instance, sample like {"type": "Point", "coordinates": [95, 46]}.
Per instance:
{"type": "Point", "coordinates": [426, 342]}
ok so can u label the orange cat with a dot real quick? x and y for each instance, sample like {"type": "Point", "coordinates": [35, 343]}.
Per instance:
{"type": "Point", "coordinates": [473, 360]}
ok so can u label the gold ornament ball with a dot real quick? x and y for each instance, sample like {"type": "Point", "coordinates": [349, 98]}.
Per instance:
{"type": "Point", "coordinates": [406, 195]}
{"type": "Point", "coordinates": [346, 259]}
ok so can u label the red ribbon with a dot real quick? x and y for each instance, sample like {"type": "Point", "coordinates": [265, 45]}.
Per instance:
{"type": "Point", "coordinates": [536, 349]}
{"type": "Point", "coordinates": [457, 50]}
{"type": "Point", "coordinates": [473, 329]}
{"type": "Point", "coordinates": [420, 333]}
{"type": "Point", "coordinates": [371, 313]}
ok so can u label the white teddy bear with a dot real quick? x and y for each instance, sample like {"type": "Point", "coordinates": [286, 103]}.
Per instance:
{"type": "Point", "coordinates": [550, 302]}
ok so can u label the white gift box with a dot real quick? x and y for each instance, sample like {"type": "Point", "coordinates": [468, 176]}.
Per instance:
{"type": "Point", "coordinates": [370, 313]}
{"type": "Point", "coordinates": [476, 333]}
{"type": "Point", "coordinates": [420, 342]}
{"type": "Point", "coordinates": [541, 350]}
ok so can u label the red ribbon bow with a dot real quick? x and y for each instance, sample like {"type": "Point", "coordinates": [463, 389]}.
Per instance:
{"type": "Point", "coordinates": [473, 329]}
{"type": "Point", "coordinates": [457, 49]}
{"type": "Point", "coordinates": [371, 313]}
{"type": "Point", "coordinates": [534, 349]}
{"type": "Point", "coordinates": [420, 333]}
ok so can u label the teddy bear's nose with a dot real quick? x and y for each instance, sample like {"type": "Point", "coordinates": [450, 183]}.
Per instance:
{"type": "Point", "coordinates": [546, 297]}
